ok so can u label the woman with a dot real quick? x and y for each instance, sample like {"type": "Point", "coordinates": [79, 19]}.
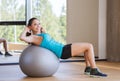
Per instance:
{"type": "Point", "coordinates": [38, 37]}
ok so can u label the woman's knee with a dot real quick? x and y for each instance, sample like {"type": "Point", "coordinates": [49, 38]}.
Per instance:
{"type": "Point", "coordinates": [90, 46]}
{"type": "Point", "coordinates": [3, 40]}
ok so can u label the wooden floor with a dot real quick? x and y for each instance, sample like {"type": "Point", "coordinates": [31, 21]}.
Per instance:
{"type": "Point", "coordinates": [70, 71]}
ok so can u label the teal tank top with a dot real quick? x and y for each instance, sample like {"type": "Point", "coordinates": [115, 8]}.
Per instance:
{"type": "Point", "coordinates": [51, 44]}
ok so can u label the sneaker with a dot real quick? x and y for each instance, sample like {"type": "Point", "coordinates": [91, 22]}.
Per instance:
{"type": "Point", "coordinates": [1, 53]}
{"type": "Point", "coordinates": [87, 70]}
{"type": "Point", "coordinates": [7, 54]}
{"type": "Point", "coordinates": [96, 73]}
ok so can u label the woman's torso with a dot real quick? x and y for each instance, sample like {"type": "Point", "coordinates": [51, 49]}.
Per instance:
{"type": "Point", "coordinates": [51, 44]}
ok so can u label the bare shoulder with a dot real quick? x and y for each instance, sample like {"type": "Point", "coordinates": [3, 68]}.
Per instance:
{"type": "Point", "coordinates": [36, 39]}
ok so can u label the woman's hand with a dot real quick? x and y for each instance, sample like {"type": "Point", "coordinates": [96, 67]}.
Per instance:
{"type": "Point", "coordinates": [42, 30]}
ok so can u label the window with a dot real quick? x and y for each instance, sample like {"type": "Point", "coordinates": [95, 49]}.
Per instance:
{"type": "Point", "coordinates": [11, 32]}
{"type": "Point", "coordinates": [12, 10]}
{"type": "Point", "coordinates": [12, 21]}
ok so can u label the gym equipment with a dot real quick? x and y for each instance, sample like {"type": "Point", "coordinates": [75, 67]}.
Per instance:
{"type": "Point", "coordinates": [36, 61]}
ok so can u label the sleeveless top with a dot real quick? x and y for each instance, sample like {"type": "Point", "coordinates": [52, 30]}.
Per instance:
{"type": "Point", "coordinates": [49, 43]}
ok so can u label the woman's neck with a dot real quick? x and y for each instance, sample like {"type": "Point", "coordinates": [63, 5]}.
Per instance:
{"type": "Point", "coordinates": [36, 33]}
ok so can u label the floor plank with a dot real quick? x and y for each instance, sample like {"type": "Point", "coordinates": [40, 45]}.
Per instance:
{"type": "Point", "coordinates": [70, 71]}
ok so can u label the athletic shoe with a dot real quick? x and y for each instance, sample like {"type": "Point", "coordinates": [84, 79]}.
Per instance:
{"type": "Point", "coordinates": [87, 70]}
{"type": "Point", "coordinates": [7, 54]}
{"type": "Point", "coordinates": [96, 73]}
{"type": "Point", "coordinates": [1, 53]}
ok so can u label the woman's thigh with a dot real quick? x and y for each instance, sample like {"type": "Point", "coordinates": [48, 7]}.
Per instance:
{"type": "Point", "coordinates": [78, 48]}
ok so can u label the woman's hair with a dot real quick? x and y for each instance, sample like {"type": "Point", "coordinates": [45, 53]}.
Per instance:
{"type": "Point", "coordinates": [29, 24]}
{"type": "Point", "coordinates": [31, 20]}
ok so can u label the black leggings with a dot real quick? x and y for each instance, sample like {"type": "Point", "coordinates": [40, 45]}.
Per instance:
{"type": "Point", "coordinates": [66, 53]}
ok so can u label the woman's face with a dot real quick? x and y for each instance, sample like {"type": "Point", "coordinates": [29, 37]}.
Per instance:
{"type": "Point", "coordinates": [35, 26]}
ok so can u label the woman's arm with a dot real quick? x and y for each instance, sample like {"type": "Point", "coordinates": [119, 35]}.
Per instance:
{"type": "Point", "coordinates": [23, 36]}
{"type": "Point", "coordinates": [30, 39]}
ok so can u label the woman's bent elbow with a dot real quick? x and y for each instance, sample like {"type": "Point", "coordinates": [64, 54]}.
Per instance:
{"type": "Point", "coordinates": [21, 38]}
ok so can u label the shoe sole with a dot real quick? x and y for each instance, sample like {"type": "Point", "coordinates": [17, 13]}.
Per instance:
{"type": "Point", "coordinates": [86, 73]}
{"type": "Point", "coordinates": [95, 76]}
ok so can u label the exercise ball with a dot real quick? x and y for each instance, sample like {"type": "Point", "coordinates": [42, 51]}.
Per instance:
{"type": "Point", "coordinates": [36, 61]}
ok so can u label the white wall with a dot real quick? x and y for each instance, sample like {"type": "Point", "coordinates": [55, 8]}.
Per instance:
{"type": "Point", "coordinates": [82, 22]}
{"type": "Point", "coordinates": [86, 22]}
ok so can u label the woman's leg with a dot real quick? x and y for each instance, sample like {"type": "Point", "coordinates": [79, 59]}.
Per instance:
{"type": "Point", "coordinates": [5, 46]}
{"type": "Point", "coordinates": [86, 59]}
{"type": "Point", "coordinates": [87, 49]}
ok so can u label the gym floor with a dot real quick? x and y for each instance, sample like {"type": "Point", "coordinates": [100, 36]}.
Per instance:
{"type": "Point", "coordinates": [68, 71]}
